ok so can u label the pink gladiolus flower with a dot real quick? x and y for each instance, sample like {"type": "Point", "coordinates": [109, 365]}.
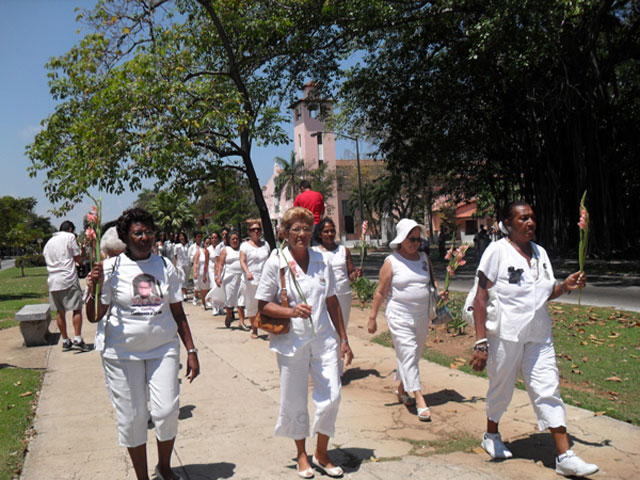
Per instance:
{"type": "Point", "coordinates": [94, 209]}
{"type": "Point", "coordinates": [365, 225]}
{"type": "Point", "coordinates": [462, 262]}
{"type": "Point", "coordinates": [92, 218]}
{"type": "Point", "coordinates": [90, 234]}
{"type": "Point", "coordinates": [582, 223]}
{"type": "Point", "coordinates": [292, 266]}
{"type": "Point", "coordinates": [450, 270]}
{"type": "Point", "coordinates": [448, 256]}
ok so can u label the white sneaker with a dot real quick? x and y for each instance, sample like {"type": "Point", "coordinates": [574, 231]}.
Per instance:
{"type": "Point", "coordinates": [492, 444]}
{"type": "Point", "coordinates": [572, 465]}
{"type": "Point", "coordinates": [195, 301]}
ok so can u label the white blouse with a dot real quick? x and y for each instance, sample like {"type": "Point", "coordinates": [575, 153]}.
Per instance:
{"type": "Point", "coordinates": [317, 284]}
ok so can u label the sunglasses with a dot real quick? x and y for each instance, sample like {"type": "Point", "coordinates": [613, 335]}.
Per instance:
{"type": "Point", "coordinates": [255, 229]}
{"type": "Point", "coordinates": [414, 239]}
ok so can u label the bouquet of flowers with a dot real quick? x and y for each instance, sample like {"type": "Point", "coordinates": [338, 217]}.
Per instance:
{"type": "Point", "coordinates": [583, 223]}
{"type": "Point", "coordinates": [363, 245]}
{"type": "Point", "coordinates": [456, 259]}
{"type": "Point", "coordinates": [293, 270]}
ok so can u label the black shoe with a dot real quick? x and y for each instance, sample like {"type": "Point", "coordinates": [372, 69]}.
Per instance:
{"type": "Point", "coordinates": [66, 345]}
{"type": "Point", "coordinates": [80, 345]}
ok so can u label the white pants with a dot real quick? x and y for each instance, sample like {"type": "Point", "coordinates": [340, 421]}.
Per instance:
{"type": "Point", "coordinates": [232, 291]}
{"type": "Point", "coordinates": [344, 299]}
{"type": "Point", "coordinates": [320, 359]}
{"type": "Point", "coordinates": [127, 384]}
{"type": "Point", "coordinates": [408, 334]}
{"type": "Point", "coordinates": [537, 364]}
{"type": "Point", "coordinates": [249, 296]}
{"type": "Point", "coordinates": [183, 275]}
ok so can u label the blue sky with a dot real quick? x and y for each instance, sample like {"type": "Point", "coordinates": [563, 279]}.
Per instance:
{"type": "Point", "coordinates": [31, 32]}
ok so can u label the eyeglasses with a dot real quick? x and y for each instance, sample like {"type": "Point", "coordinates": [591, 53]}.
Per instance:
{"type": "Point", "coordinates": [141, 233]}
{"type": "Point", "coordinates": [414, 239]}
{"type": "Point", "coordinates": [298, 230]}
{"type": "Point", "coordinates": [255, 229]}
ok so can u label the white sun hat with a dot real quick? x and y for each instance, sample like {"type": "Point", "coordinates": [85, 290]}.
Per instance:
{"type": "Point", "coordinates": [403, 228]}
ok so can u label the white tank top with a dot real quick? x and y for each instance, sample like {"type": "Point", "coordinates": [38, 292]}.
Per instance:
{"type": "Point", "coordinates": [232, 262]}
{"type": "Point", "coordinates": [409, 285]}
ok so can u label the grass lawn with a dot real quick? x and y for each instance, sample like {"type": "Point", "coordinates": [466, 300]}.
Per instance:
{"type": "Point", "coordinates": [598, 353]}
{"type": "Point", "coordinates": [18, 393]}
{"type": "Point", "coordinates": [17, 291]}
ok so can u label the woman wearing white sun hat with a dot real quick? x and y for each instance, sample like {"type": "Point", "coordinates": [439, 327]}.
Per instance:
{"type": "Point", "coordinates": [405, 275]}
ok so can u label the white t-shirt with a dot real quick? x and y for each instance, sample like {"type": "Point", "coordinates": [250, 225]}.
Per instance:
{"type": "Point", "coordinates": [255, 258]}
{"type": "Point", "coordinates": [523, 300]}
{"type": "Point", "coordinates": [139, 324]}
{"type": "Point", "coordinates": [181, 254]}
{"type": "Point", "coordinates": [58, 253]}
{"type": "Point", "coordinates": [410, 282]}
{"type": "Point", "coordinates": [193, 248]}
{"type": "Point", "coordinates": [317, 284]}
{"type": "Point", "coordinates": [338, 260]}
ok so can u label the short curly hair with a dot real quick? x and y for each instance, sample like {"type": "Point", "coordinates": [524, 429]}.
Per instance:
{"type": "Point", "coordinates": [296, 214]}
{"type": "Point", "coordinates": [133, 215]}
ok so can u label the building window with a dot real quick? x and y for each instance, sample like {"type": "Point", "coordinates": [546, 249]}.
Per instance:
{"type": "Point", "coordinates": [320, 149]}
{"type": "Point", "coordinates": [297, 113]}
{"type": "Point", "coordinates": [299, 147]}
{"type": "Point", "coordinates": [470, 227]}
{"type": "Point", "coordinates": [349, 223]}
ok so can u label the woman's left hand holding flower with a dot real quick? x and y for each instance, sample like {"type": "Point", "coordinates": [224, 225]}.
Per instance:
{"type": "Point", "coordinates": [575, 280]}
{"type": "Point", "coordinates": [443, 295]}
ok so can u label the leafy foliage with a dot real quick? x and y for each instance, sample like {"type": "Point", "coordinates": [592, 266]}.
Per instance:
{"type": "Point", "coordinates": [172, 211]}
{"type": "Point", "coordinates": [20, 226]}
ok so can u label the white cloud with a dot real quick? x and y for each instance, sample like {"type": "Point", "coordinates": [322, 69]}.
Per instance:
{"type": "Point", "coordinates": [30, 131]}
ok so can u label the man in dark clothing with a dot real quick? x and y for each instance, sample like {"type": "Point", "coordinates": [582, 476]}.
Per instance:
{"type": "Point", "coordinates": [481, 240]}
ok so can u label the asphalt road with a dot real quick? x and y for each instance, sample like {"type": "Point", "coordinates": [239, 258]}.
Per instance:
{"type": "Point", "coordinates": [7, 262]}
{"type": "Point", "coordinates": [620, 291]}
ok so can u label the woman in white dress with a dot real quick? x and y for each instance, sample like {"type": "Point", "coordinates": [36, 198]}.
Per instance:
{"type": "Point", "coordinates": [339, 257]}
{"type": "Point", "coordinates": [229, 276]}
{"type": "Point", "coordinates": [214, 253]}
{"type": "Point", "coordinates": [519, 274]}
{"type": "Point", "coordinates": [253, 255]}
{"type": "Point", "coordinates": [312, 346]}
{"type": "Point", "coordinates": [405, 276]}
{"type": "Point", "coordinates": [201, 280]}
{"type": "Point", "coordinates": [183, 265]}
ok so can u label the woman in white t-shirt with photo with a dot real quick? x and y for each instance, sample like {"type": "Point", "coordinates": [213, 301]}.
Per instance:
{"type": "Point", "coordinates": [253, 255]}
{"type": "Point", "coordinates": [521, 278]}
{"type": "Point", "coordinates": [141, 324]}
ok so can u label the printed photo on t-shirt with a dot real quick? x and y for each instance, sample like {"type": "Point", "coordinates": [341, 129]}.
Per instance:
{"type": "Point", "coordinates": [146, 291]}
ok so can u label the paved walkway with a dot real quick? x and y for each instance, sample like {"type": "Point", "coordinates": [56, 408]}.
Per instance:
{"type": "Point", "coordinates": [228, 415]}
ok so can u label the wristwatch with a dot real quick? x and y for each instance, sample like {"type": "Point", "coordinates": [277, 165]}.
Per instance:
{"type": "Point", "coordinates": [481, 347]}
{"type": "Point", "coordinates": [192, 350]}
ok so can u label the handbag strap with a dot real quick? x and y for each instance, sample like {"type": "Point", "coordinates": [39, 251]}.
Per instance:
{"type": "Point", "coordinates": [284, 300]}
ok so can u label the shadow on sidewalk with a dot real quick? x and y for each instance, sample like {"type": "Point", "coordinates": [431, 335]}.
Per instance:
{"type": "Point", "coordinates": [357, 373]}
{"type": "Point", "coordinates": [207, 471]}
{"type": "Point", "coordinates": [540, 447]}
{"type": "Point", "coordinates": [447, 395]}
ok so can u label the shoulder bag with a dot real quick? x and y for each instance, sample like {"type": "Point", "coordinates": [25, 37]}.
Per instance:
{"type": "Point", "coordinates": [275, 326]}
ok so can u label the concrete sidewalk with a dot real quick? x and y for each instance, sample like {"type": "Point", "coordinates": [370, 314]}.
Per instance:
{"type": "Point", "coordinates": [228, 415]}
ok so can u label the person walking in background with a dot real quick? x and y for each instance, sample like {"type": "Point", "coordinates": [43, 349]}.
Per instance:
{"type": "Point", "coordinates": [141, 324]}
{"type": "Point", "coordinates": [520, 340]}
{"type": "Point", "coordinates": [481, 240]}
{"type": "Point", "coordinates": [312, 201]}
{"type": "Point", "coordinates": [229, 276]}
{"type": "Point", "coordinates": [214, 253]}
{"type": "Point", "coordinates": [339, 257]}
{"type": "Point", "coordinates": [193, 248]}
{"type": "Point", "coordinates": [316, 340]}
{"type": "Point", "coordinates": [62, 254]}
{"type": "Point", "coordinates": [201, 279]}
{"type": "Point", "coordinates": [406, 276]}
{"type": "Point", "coordinates": [182, 262]}
{"type": "Point", "coordinates": [253, 255]}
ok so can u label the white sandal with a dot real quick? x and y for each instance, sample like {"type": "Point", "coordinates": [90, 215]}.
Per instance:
{"type": "Point", "coordinates": [424, 414]}
{"type": "Point", "coordinates": [333, 472]}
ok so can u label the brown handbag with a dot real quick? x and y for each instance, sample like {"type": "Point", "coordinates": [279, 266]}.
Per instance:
{"type": "Point", "coordinates": [275, 326]}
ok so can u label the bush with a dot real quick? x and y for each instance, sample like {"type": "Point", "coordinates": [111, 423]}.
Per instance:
{"type": "Point", "coordinates": [33, 260]}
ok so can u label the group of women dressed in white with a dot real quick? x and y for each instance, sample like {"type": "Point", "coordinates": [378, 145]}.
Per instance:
{"type": "Point", "coordinates": [317, 282]}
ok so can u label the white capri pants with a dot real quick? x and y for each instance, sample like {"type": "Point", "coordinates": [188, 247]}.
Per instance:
{"type": "Point", "coordinates": [127, 383]}
{"type": "Point", "coordinates": [232, 291]}
{"type": "Point", "coordinates": [345, 299]}
{"type": "Point", "coordinates": [249, 297]}
{"type": "Point", "coordinates": [320, 359]}
{"type": "Point", "coordinates": [537, 364]}
{"type": "Point", "coordinates": [408, 332]}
